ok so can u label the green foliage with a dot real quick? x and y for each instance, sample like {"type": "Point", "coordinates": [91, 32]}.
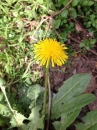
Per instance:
{"type": "Point", "coordinates": [72, 105]}
{"type": "Point", "coordinates": [75, 2]}
{"type": "Point", "coordinates": [66, 120]}
{"type": "Point", "coordinates": [30, 96]}
{"type": "Point", "coordinates": [89, 17]}
{"type": "Point", "coordinates": [16, 118]}
{"type": "Point", "coordinates": [7, 111]}
{"type": "Point", "coordinates": [71, 88]}
{"type": "Point", "coordinates": [69, 100]}
{"type": "Point", "coordinates": [17, 25]}
{"type": "Point", "coordinates": [82, 11]}
{"type": "Point", "coordinates": [71, 111]}
{"type": "Point", "coordinates": [67, 104]}
{"type": "Point", "coordinates": [87, 44]}
{"type": "Point", "coordinates": [35, 121]}
{"type": "Point", "coordinates": [90, 121]}
{"type": "Point", "coordinates": [23, 23]}
{"type": "Point", "coordinates": [74, 13]}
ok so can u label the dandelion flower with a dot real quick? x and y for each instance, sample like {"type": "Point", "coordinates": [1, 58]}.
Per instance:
{"type": "Point", "coordinates": [49, 50]}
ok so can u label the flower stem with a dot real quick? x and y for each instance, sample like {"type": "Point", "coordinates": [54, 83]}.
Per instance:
{"type": "Point", "coordinates": [45, 91]}
{"type": "Point", "coordinates": [49, 105]}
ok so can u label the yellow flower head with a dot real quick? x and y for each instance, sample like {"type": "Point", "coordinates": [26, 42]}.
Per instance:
{"type": "Point", "coordinates": [49, 50]}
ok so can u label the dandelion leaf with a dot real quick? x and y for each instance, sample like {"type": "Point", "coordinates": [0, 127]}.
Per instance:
{"type": "Point", "coordinates": [4, 110]}
{"type": "Point", "coordinates": [70, 97]}
{"type": "Point", "coordinates": [89, 121]}
{"type": "Point", "coordinates": [17, 121]}
{"type": "Point", "coordinates": [66, 120]}
{"type": "Point", "coordinates": [74, 104]}
{"type": "Point", "coordinates": [36, 122]}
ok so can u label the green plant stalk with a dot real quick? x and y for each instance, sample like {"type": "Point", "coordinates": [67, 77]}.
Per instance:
{"type": "Point", "coordinates": [3, 90]}
{"type": "Point", "coordinates": [45, 91]}
{"type": "Point", "coordinates": [49, 105]}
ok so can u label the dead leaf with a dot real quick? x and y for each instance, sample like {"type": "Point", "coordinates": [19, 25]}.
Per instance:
{"type": "Point", "coordinates": [91, 34]}
{"type": "Point", "coordinates": [78, 27]}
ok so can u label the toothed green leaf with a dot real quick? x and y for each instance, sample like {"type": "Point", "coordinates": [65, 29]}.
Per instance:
{"type": "Point", "coordinates": [90, 121]}
{"type": "Point", "coordinates": [36, 121]}
{"type": "Point", "coordinates": [71, 88]}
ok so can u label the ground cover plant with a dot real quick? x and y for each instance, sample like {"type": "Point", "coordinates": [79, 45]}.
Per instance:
{"type": "Point", "coordinates": [37, 36]}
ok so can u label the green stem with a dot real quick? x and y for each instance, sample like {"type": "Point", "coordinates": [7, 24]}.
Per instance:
{"type": "Point", "coordinates": [49, 105]}
{"type": "Point", "coordinates": [45, 91]}
{"type": "Point", "coordinates": [3, 90]}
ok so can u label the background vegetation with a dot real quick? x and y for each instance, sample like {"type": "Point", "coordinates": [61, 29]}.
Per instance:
{"type": "Point", "coordinates": [23, 23]}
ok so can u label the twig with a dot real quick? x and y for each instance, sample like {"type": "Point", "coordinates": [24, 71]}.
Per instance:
{"type": "Point", "coordinates": [93, 52]}
{"type": "Point", "coordinates": [75, 40]}
{"type": "Point", "coordinates": [61, 9]}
